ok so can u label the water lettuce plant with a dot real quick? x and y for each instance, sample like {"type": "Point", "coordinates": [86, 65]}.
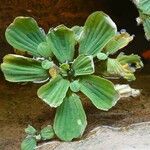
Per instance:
{"type": "Point", "coordinates": [64, 60]}
{"type": "Point", "coordinates": [33, 137]}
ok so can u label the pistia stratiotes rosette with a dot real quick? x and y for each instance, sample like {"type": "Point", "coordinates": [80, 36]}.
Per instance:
{"type": "Point", "coordinates": [64, 58]}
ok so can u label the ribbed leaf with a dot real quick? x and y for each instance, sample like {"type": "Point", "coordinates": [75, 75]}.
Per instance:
{"type": "Point", "coordinates": [115, 69]}
{"type": "Point", "coordinates": [130, 59]}
{"type": "Point", "coordinates": [83, 65]}
{"type": "Point", "coordinates": [24, 34]}
{"type": "Point", "coordinates": [44, 50]}
{"type": "Point", "coordinates": [22, 69]}
{"type": "Point", "coordinates": [28, 143]}
{"type": "Point", "coordinates": [98, 31]}
{"type": "Point", "coordinates": [143, 5]}
{"type": "Point", "coordinates": [100, 91]}
{"type": "Point", "coordinates": [146, 25]}
{"type": "Point", "coordinates": [47, 133]}
{"type": "Point", "coordinates": [117, 42]}
{"type": "Point", "coordinates": [62, 42]}
{"type": "Point", "coordinates": [54, 91]}
{"type": "Point", "coordinates": [70, 120]}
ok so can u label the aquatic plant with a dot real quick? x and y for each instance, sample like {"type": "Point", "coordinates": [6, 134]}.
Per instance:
{"type": "Point", "coordinates": [143, 7]}
{"type": "Point", "coordinates": [67, 58]}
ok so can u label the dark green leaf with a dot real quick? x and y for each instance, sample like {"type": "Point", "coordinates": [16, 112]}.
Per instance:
{"type": "Point", "coordinates": [28, 143]}
{"type": "Point", "coordinates": [22, 69]}
{"type": "Point", "coordinates": [24, 34]}
{"type": "Point", "coordinates": [62, 43]}
{"type": "Point", "coordinates": [54, 91]}
{"type": "Point", "coordinates": [100, 91]}
{"type": "Point", "coordinates": [70, 120]}
{"type": "Point", "coordinates": [98, 31]}
{"type": "Point", "coordinates": [83, 65]}
{"type": "Point", "coordinates": [47, 133]}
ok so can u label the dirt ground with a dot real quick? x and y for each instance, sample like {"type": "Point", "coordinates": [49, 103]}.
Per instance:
{"type": "Point", "coordinates": [19, 106]}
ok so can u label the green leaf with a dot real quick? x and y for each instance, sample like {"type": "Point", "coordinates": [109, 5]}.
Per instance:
{"type": "Point", "coordinates": [28, 143]}
{"type": "Point", "coordinates": [54, 91]}
{"type": "Point", "coordinates": [144, 15]}
{"type": "Point", "coordinates": [47, 133]}
{"type": "Point", "coordinates": [83, 65]}
{"type": "Point", "coordinates": [130, 59]}
{"type": "Point", "coordinates": [98, 30]}
{"type": "Point", "coordinates": [143, 5]}
{"type": "Point", "coordinates": [22, 69]}
{"type": "Point", "coordinates": [65, 66]}
{"type": "Point", "coordinates": [75, 86]}
{"type": "Point", "coordinates": [24, 34]}
{"type": "Point", "coordinates": [70, 120]}
{"type": "Point", "coordinates": [102, 56]}
{"type": "Point", "coordinates": [100, 91]}
{"type": "Point", "coordinates": [115, 69]}
{"type": "Point", "coordinates": [62, 43]}
{"type": "Point", "coordinates": [78, 31]}
{"type": "Point", "coordinates": [117, 42]}
{"type": "Point", "coordinates": [146, 25]}
{"type": "Point", "coordinates": [46, 64]}
{"type": "Point", "coordinates": [30, 130]}
{"type": "Point", "coordinates": [44, 50]}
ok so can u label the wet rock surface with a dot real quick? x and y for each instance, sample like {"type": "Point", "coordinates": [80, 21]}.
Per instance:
{"type": "Point", "coordinates": [133, 137]}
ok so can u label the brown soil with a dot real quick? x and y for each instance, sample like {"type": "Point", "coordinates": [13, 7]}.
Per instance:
{"type": "Point", "coordinates": [19, 106]}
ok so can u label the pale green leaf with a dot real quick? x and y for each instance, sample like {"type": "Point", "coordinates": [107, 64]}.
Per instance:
{"type": "Point", "coordinates": [98, 30]}
{"type": "Point", "coordinates": [100, 91]}
{"type": "Point", "coordinates": [144, 15]}
{"type": "Point", "coordinates": [130, 59]}
{"type": "Point", "coordinates": [47, 133]}
{"type": "Point", "coordinates": [62, 43]}
{"type": "Point", "coordinates": [146, 25]}
{"type": "Point", "coordinates": [75, 86]}
{"type": "Point", "coordinates": [30, 130]}
{"type": "Point", "coordinates": [143, 6]}
{"type": "Point", "coordinates": [28, 143]}
{"type": "Point", "coordinates": [70, 120]}
{"type": "Point", "coordinates": [102, 56]}
{"type": "Point", "coordinates": [25, 35]}
{"type": "Point", "coordinates": [115, 69]}
{"type": "Point", "coordinates": [44, 50]}
{"type": "Point", "coordinates": [78, 31]}
{"type": "Point", "coordinates": [83, 65]}
{"type": "Point", "coordinates": [117, 42]}
{"type": "Point", "coordinates": [46, 64]}
{"type": "Point", "coordinates": [22, 69]}
{"type": "Point", "coordinates": [54, 91]}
